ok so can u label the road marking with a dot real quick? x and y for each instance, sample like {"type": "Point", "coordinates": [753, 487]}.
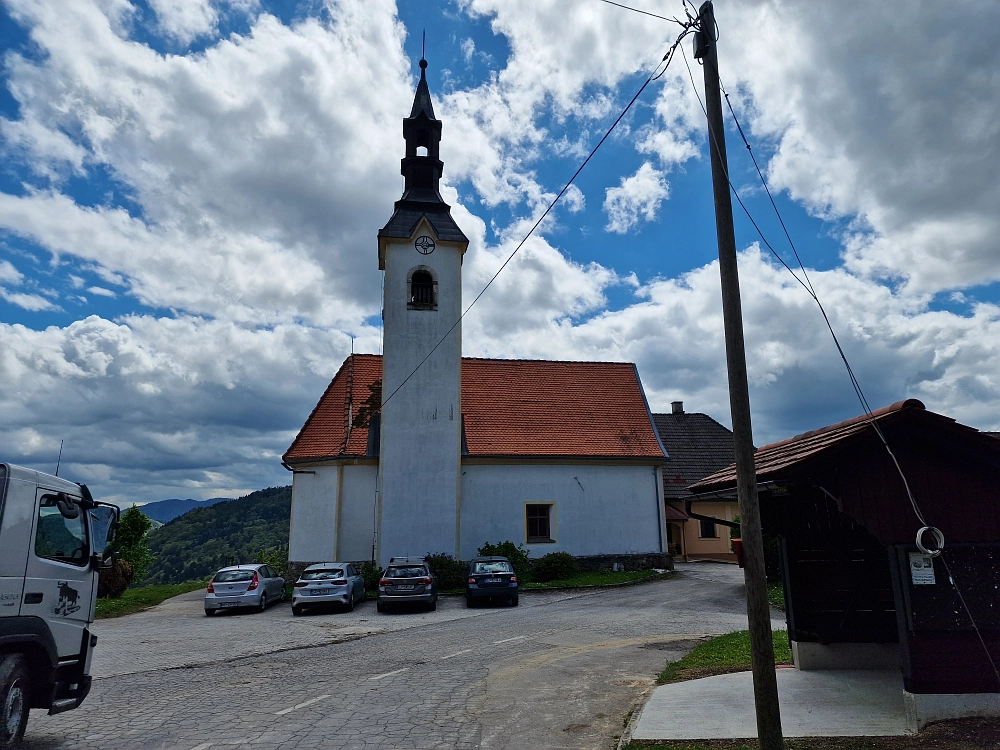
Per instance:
{"type": "Point", "coordinates": [457, 653]}
{"type": "Point", "coordinates": [202, 746]}
{"type": "Point", "coordinates": [508, 640]}
{"type": "Point", "coordinates": [309, 702]}
{"type": "Point", "coordinates": [388, 674]}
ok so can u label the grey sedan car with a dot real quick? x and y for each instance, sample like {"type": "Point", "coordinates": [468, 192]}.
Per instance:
{"type": "Point", "coordinates": [240, 586]}
{"type": "Point", "coordinates": [328, 583]}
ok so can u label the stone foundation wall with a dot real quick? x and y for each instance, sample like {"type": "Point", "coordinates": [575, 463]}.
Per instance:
{"type": "Point", "coordinates": [586, 563]}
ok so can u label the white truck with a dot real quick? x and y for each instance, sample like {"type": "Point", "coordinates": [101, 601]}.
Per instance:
{"type": "Point", "coordinates": [53, 541]}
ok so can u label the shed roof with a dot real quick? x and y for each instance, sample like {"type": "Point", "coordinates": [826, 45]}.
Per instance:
{"type": "Point", "coordinates": [772, 460]}
{"type": "Point", "coordinates": [517, 408]}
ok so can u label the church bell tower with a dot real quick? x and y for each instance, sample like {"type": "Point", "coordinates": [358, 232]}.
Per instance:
{"type": "Point", "coordinates": [420, 449]}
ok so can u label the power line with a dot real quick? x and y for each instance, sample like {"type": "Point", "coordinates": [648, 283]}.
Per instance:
{"type": "Point", "coordinates": [644, 12]}
{"type": "Point", "coordinates": [810, 289]}
{"type": "Point", "coordinates": [688, 27]}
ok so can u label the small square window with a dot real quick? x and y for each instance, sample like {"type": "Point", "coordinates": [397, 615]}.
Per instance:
{"type": "Point", "coordinates": [709, 530]}
{"type": "Point", "coordinates": [539, 522]}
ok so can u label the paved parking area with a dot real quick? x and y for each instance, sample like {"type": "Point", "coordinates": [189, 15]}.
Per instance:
{"type": "Point", "coordinates": [178, 634]}
{"type": "Point", "coordinates": [561, 671]}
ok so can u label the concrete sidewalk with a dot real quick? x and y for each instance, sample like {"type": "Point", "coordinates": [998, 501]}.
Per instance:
{"type": "Point", "coordinates": [813, 704]}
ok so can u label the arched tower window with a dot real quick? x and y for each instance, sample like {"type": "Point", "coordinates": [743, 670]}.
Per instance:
{"type": "Point", "coordinates": [422, 292]}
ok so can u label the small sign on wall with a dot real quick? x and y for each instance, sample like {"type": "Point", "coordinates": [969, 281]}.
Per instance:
{"type": "Point", "coordinates": [921, 569]}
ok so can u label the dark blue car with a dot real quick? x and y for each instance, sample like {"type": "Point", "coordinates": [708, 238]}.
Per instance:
{"type": "Point", "coordinates": [491, 578]}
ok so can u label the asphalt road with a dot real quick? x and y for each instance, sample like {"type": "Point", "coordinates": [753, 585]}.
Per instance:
{"type": "Point", "coordinates": [560, 671]}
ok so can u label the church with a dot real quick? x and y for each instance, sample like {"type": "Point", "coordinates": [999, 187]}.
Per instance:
{"type": "Point", "coordinates": [422, 451]}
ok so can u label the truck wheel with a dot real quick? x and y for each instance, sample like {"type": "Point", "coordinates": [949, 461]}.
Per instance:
{"type": "Point", "coordinates": [14, 691]}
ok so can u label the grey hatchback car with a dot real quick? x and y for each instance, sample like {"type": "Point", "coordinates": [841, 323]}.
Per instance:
{"type": "Point", "coordinates": [241, 586]}
{"type": "Point", "coordinates": [328, 583]}
{"type": "Point", "coordinates": [407, 580]}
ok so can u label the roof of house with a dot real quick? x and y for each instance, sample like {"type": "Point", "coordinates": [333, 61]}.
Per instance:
{"type": "Point", "coordinates": [517, 408]}
{"type": "Point", "coordinates": [770, 460]}
{"type": "Point", "coordinates": [696, 446]}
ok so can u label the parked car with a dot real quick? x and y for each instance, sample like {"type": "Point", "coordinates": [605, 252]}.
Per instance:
{"type": "Point", "coordinates": [407, 580]}
{"type": "Point", "coordinates": [326, 584]}
{"type": "Point", "coordinates": [241, 586]}
{"type": "Point", "coordinates": [490, 578]}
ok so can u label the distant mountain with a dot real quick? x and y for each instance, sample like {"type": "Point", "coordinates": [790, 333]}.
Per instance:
{"type": "Point", "coordinates": [165, 511]}
{"type": "Point", "coordinates": [196, 544]}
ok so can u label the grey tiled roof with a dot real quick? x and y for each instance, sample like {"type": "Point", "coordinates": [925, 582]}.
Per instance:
{"type": "Point", "coordinates": [405, 220]}
{"type": "Point", "coordinates": [696, 446]}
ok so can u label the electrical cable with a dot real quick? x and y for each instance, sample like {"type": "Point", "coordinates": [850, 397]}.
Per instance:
{"type": "Point", "coordinates": [810, 289]}
{"type": "Point", "coordinates": [654, 75]}
{"type": "Point", "coordinates": [644, 12]}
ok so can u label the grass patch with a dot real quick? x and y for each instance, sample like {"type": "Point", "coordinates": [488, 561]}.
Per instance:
{"type": "Point", "coordinates": [776, 595]}
{"type": "Point", "coordinates": [595, 578]}
{"type": "Point", "coordinates": [726, 653]}
{"type": "Point", "coordinates": [142, 597]}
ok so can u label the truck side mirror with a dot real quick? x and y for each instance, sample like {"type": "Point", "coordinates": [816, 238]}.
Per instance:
{"type": "Point", "coordinates": [67, 508]}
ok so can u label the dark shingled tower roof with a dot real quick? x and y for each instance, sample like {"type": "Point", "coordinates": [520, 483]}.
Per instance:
{"type": "Point", "coordinates": [422, 173]}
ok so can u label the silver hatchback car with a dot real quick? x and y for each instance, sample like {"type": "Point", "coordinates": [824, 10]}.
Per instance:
{"type": "Point", "coordinates": [326, 584]}
{"type": "Point", "coordinates": [240, 586]}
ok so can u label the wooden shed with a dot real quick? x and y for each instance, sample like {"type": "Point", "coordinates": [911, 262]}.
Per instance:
{"type": "Point", "coordinates": [858, 591]}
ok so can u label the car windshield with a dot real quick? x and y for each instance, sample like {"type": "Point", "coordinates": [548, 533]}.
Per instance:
{"type": "Point", "coordinates": [494, 566]}
{"type": "Point", "coordinates": [405, 573]}
{"type": "Point", "coordinates": [323, 575]}
{"type": "Point", "coordinates": [228, 576]}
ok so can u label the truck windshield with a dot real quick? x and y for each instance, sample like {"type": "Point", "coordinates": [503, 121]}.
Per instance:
{"type": "Point", "coordinates": [102, 522]}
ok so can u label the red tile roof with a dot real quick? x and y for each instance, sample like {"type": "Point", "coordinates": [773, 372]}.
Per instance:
{"type": "Point", "coordinates": [772, 458]}
{"type": "Point", "coordinates": [525, 408]}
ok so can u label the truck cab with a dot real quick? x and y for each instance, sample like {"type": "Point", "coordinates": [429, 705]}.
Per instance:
{"type": "Point", "coordinates": [53, 542]}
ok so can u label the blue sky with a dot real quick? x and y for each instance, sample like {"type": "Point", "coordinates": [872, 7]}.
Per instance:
{"type": "Point", "coordinates": [191, 190]}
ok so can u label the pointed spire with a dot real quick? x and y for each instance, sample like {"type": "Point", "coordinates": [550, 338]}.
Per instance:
{"type": "Point", "coordinates": [422, 99]}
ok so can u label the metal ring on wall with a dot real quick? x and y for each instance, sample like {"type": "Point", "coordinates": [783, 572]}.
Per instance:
{"type": "Point", "coordinates": [938, 540]}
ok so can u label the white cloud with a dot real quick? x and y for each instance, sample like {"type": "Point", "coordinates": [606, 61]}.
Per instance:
{"type": "Point", "coordinates": [101, 291]}
{"type": "Point", "coordinates": [30, 302]}
{"type": "Point", "coordinates": [638, 198]}
{"type": "Point", "coordinates": [9, 274]}
{"type": "Point", "coordinates": [905, 143]}
{"type": "Point", "coordinates": [185, 20]}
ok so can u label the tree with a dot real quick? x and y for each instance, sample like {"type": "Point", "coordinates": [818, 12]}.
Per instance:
{"type": "Point", "coordinates": [131, 540]}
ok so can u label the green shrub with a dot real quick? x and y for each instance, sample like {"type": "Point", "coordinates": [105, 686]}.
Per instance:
{"type": "Point", "coordinates": [131, 542]}
{"type": "Point", "coordinates": [555, 566]}
{"type": "Point", "coordinates": [372, 574]}
{"type": "Point", "coordinates": [112, 582]}
{"type": "Point", "coordinates": [517, 555]}
{"type": "Point", "coordinates": [451, 573]}
{"type": "Point", "coordinates": [276, 557]}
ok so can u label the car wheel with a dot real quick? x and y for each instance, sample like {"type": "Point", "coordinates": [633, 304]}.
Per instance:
{"type": "Point", "coordinates": [350, 604]}
{"type": "Point", "coordinates": [379, 607]}
{"type": "Point", "coordinates": [513, 600]}
{"type": "Point", "coordinates": [209, 612]}
{"type": "Point", "coordinates": [263, 603]}
{"type": "Point", "coordinates": [14, 691]}
{"type": "Point", "coordinates": [432, 606]}
{"type": "Point", "coordinates": [469, 602]}
{"type": "Point", "coordinates": [296, 610]}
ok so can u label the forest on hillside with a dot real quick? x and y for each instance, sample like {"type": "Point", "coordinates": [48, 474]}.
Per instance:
{"type": "Point", "coordinates": [196, 544]}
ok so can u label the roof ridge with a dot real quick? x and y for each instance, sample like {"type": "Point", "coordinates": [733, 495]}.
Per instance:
{"type": "Point", "coordinates": [909, 403]}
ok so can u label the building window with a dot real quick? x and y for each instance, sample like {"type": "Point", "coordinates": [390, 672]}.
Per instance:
{"type": "Point", "coordinates": [708, 530]}
{"type": "Point", "coordinates": [423, 291]}
{"type": "Point", "coordinates": [538, 518]}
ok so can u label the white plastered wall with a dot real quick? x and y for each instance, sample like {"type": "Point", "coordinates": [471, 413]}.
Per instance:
{"type": "Point", "coordinates": [314, 515]}
{"type": "Point", "coordinates": [599, 509]}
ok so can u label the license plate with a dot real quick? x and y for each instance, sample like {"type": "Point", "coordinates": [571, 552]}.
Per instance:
{"type": "Point", "coordinates": [493, 580]}
{"type": "Point", "coordinates": [319, 592]}
{"type": "Point", "coordinates": [405, 587]}
{"type": "Point", "coordinates": [229, 604]}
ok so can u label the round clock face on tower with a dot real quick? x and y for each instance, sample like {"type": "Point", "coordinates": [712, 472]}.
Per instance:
{"type": "Point", "coordinates": [424, 244]}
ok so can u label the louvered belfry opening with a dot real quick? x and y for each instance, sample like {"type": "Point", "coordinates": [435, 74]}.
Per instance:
{"type": "Point", "coordinates": [422, 290]}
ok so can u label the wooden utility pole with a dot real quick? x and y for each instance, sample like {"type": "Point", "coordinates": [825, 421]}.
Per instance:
{"type": "Point", "coordinates": [765, 684]}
